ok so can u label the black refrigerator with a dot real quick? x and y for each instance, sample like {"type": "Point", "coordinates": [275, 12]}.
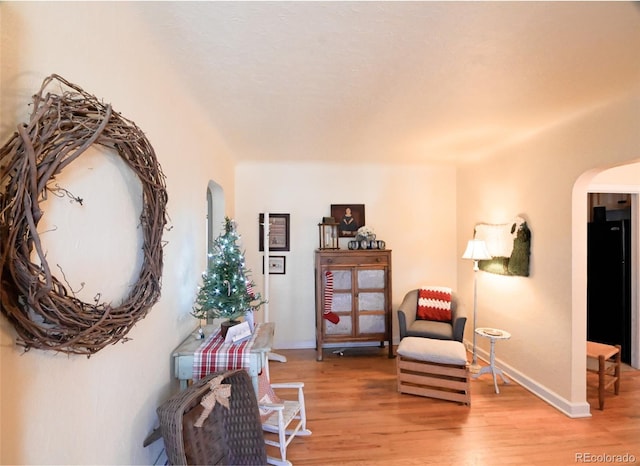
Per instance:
{"type": "Point", "coordinates": [609, 284]}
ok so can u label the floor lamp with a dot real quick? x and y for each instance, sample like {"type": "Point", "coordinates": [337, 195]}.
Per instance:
{"type": "Point", "coordinates": [476, 250]}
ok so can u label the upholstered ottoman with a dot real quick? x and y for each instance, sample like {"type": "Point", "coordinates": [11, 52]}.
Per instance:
{"type": "Point", "coordinates": [433, 368]}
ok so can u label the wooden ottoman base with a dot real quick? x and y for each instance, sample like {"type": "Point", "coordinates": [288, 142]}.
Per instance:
{"type": "Point", "coordinates": [434, 369]}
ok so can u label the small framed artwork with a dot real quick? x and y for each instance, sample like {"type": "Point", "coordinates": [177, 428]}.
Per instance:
{"type": "Point", "coordinates": [277, 265]}
{"type": "Point", "coordinates": [350, 217]}
{"type": "Point", "coordinates": [278, 232]}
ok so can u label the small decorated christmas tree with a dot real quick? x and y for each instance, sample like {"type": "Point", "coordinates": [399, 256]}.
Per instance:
{"type": "Point", "coordinates": [227, 291]}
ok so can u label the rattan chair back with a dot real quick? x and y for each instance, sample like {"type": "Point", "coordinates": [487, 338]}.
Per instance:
{"type": "Point", "coordinates": [231, 436]}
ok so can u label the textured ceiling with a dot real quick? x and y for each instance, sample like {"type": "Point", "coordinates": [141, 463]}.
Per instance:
{"type": "Point", "coordinates": [395, 81]}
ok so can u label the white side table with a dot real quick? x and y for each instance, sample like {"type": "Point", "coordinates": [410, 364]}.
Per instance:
{"type": "Point", "coordinates": [184, 354]}
{"type": "Point", "coordinates": [493, 334]}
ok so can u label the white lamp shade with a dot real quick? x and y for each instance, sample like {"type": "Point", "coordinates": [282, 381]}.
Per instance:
{"type": "Point", "coordinates": [476, 250]}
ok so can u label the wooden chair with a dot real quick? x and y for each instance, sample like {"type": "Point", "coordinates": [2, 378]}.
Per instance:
{"type": "Point", "coordinates": [609, 362]}
{"type": "Point", "coordinates": [281, 419]}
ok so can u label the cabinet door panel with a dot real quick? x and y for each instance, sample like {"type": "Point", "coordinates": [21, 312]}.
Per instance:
{"type": "Point", "coordinates": [371, 279]}
{"type": "Point", "coordinates": [371, 301]}
{"type": "Point", "coordinates": [344, 327]}
{"type": "Point", "coordinates": [371, 323]}
{"type": "Point", "coordinates": [341, 279]}
{"type": "Point", "coordinates": [342, 302]}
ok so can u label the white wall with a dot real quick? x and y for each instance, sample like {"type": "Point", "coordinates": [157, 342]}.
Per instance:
{"type": "Point", "coordinates": [58, 409]}
{"type": "Point", "coordinates": [73, 410]}
{"type": "Point", "coordinates": [412, 208]}
{"type": "Point", "coordinates": [546, 312]}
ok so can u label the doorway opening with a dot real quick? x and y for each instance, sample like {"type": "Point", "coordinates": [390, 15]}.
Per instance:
{"type": "Point", "coordinates": [215, 214]}
{"type": "Point", "coordinates": [618, 179]}
{"type": "Point", "coordinates": [609, 284]}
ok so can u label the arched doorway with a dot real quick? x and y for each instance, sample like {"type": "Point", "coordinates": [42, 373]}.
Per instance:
{"type": "Point", "coordinates": [623, 183]}
{"type": "Point", "coordinates": [215, 212]}
{"type": "Point", "coordinates": [623, 179]}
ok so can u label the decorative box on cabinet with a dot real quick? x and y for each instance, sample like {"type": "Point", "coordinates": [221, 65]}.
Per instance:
{"type": "Point", "coordinates": [360, 297]}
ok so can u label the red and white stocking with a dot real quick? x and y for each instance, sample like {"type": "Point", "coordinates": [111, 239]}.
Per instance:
{"type": "Point", "coordinates": [328, 299]}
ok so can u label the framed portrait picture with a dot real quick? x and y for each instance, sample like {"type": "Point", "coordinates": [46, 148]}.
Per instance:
{"type": "Point", "coordinates": [278, 232]}
{"type": "Point", "coordinates": [277, 265]}
{"type": "Point", "coordinates": [350, 217]}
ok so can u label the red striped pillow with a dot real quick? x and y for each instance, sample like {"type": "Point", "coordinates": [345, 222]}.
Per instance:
{"type": "Point", "coordinates": [434, 303]}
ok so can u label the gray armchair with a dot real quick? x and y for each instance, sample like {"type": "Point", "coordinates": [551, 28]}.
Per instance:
{"type": "Point", "coordinates": [410, 327]}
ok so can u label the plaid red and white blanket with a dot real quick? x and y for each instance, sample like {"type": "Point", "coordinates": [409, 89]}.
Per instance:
{"type": "Point", "coordinates": [216, 355]}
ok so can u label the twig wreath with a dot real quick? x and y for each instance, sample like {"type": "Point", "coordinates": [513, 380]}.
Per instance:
{"type": "Point", "coordinates": [44, 313]}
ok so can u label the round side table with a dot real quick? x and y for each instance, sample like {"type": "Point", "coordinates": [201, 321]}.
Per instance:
{"type": "Point", "coordinates": [493, 334]}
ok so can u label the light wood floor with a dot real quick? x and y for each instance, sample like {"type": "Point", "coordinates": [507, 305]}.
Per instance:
{"type": "Point", "coordinates": [358, 418]}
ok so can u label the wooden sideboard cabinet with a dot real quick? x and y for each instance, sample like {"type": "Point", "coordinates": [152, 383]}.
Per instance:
{"type": "Point", "coordinates": [360, 297]}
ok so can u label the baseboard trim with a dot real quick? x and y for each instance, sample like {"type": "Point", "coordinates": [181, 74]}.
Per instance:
{"type": "Point", "coordinates": [312, 345]}
{"type": "Point", "coordinates": [572, 410]}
